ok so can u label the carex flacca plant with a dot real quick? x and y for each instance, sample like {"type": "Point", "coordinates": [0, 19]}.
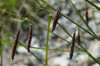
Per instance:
{"type": "Point", "coordinates": [75, 40]}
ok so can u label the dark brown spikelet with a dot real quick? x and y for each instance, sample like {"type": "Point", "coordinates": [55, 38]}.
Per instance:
{"type": "Point", "coordinates": [0, 27]}
{"type": "Point", "coordinates": [1, 60]}
{"type": "Point", "coordinates": [55, 21]}
{"type": "Point", "coordinates": [86, 14]}
{"type": "Point", "coordinates": [78, 37]}
{"type": "Point", "coordinates": [72, 46]}
{"type": "Point", "coordinates": [29, 38]}
{"type": "Point", "coordinates": [15, 45]}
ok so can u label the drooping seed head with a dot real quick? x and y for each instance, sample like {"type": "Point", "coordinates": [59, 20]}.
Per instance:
{"type": "Point", "coordinates": [72, 46]}
{"type": "Point", "coordinates": [0, 27]}
{"type": "Point", "coordinates": [86, 14]}
{"type": "Point", "coordinates": [15, 45]}
{"type": "Point", "coordinates": [78, 37]}
{"type": "Point", "coordinates": [55, 21]}
{"type": "Point", "coordinates": [29, 38]}
{"type": "Point", "coordinates": [1, 60]}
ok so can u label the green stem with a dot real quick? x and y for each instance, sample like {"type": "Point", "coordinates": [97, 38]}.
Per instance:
{"type": "Point", "coordinates": [4, 41]}
{"type": "Point", "coordinates": [49, 20]}
{"type": "Point", "coordinates": [42, 48]}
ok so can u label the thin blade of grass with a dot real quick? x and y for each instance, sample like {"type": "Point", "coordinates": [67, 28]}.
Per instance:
{"type": "Point", "coordinates": [64, 30]}
{"type": "Point", "coordinates": [47, 4]}
{"type": "Point", "coordinates": [2, 47]}
{"type": "Point", "coordinates": [46, 57]}
{"type": "Point", "coordinates": [93, 4]}
{"type": "Point", "coordinates": [43, 48]}
{"type": "Point", "coordinates": [30, 10]}
{"type": "Point", "coordinates": [2, 44]}
{"type": "Point", "coordinates": [40, 60]}
{"type": "Point", "coordinates": [96, 60]}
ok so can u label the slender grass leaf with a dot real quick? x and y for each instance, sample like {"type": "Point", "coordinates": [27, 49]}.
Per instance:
{"type": "Point", "coordinates": [93, 4]}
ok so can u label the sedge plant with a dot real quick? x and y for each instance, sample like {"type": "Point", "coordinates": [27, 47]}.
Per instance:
{"type": "Point", "coordinates": [26, 19]}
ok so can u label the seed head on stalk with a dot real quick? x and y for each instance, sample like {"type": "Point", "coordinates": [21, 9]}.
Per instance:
{"type": "Point", "coordinates": [0, 27]}
{"type": "Point", "coordinates": [55, 21]}
{"type": "Point", "coordinates": [72, 45]}
{"type": "Point", "coordinates": [15, 45]}
{"type": "Point", "coordinates": [29, 38]}
{"type": "Point", "coordinates": [86, 14]}
{"type": "Point", "coordinates": [78, 37]}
